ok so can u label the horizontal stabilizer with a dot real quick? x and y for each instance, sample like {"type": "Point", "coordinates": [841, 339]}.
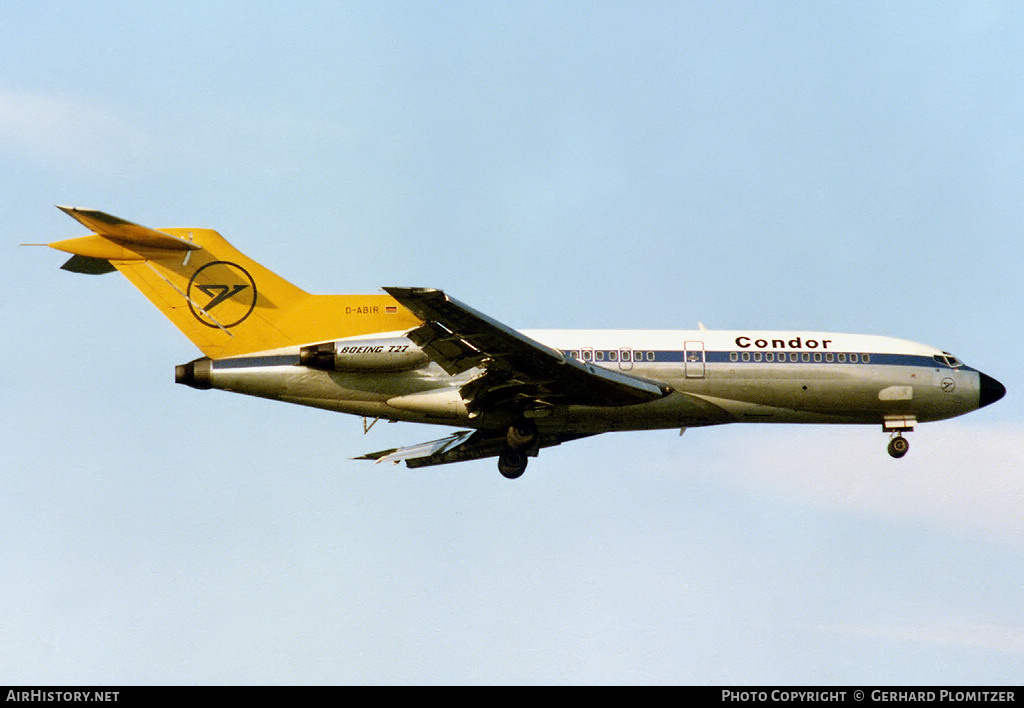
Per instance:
{"type": "Point", "coordinates": [127, 233]}
{"type": "Point", "coordinates": [87, 265]}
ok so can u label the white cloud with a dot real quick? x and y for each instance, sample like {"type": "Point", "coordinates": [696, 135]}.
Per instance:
{"type": "Point", "coordinates": [68, 133]}
{"type": "Point", "coordinates": [957, 477]}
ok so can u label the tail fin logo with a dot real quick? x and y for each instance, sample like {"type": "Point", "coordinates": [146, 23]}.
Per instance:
{"type": "Point", "coordinates": [225, 287]}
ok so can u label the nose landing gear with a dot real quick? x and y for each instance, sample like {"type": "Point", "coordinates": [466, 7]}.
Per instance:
{"type": "Point", "coordinates": [897, 425]}
{"type": "Point", "coordinates": [898, 446]}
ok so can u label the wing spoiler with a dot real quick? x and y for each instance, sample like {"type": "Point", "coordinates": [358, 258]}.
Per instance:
{"type": "Point", "coordinates": [458, 338]}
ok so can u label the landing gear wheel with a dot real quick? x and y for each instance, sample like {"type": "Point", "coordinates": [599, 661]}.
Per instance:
{"type": "Point", "coordinates": [512, 464]}
{"type": "Point", "coordinates": [521, 435]}
{"type": "Point", "coordinates": [898, 446]}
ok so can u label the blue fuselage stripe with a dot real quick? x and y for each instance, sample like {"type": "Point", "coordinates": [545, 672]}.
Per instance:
{"type": "Point", "coordinates": [780, 357]}
{"type": "Point", "coordinates": [666, 356]}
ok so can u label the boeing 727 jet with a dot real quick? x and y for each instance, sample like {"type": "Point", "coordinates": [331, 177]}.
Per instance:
{"type": "Point", "coordinates": [417, 354]}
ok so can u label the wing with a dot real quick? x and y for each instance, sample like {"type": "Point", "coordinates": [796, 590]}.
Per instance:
{"type": "Point", "coordinates": [464, 445]}
{"type": "Point", "coordinates": [519, 373]}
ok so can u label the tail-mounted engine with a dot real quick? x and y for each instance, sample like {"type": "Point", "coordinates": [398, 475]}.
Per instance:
{"type": "Point", "coordinates": [385, 355]}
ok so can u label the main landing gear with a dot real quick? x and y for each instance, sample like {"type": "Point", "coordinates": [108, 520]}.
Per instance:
{"type": "Point", "coordinates": [898, 446]}
{"type": "Point", "coordinates": [512, 464]}
{"type": "Point", "coordinates": [520, 441]}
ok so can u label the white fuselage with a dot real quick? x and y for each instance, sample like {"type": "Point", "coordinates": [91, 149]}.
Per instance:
{"type": "Point", "coordinates": [716, 376]}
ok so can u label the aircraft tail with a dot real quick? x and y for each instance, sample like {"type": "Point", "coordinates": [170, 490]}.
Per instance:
{"type": "Point", "coordinates": [224, 302]}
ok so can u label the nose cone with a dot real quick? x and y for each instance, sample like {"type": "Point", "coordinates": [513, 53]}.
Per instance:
{"type": "Point", "coordinates": [990, 390]}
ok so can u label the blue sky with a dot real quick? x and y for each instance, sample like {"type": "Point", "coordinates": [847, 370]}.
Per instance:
{"type": "Point", "coordinates": [830, 166]}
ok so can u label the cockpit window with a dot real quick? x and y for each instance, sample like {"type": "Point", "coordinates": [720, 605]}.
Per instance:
{"type": "Point", "coordinates": [948, 359]}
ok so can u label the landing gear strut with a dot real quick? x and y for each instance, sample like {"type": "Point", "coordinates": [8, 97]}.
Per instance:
{"type": "Point", "coordinates": [519, 440]}
{"type": "Point", "coordinates": [898, 446]}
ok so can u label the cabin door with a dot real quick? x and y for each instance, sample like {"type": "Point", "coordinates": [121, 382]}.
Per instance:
{"type": "Point", "coordinates": [693, 355]}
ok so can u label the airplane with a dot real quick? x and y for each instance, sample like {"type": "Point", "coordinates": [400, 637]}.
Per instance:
{"type": "Point", "coordinates": [419, 355]}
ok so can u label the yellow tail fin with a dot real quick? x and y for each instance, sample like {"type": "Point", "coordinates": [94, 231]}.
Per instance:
{"type": "Point", "coordinates": [223, 301]}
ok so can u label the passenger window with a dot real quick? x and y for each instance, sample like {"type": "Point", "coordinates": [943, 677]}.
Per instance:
{"type": "Point", "coordinates": [817, 357]}
{"type": "Point", "coordinates": [770, 356]}
{"type": "Point", "coordinates": [829, 358]}
{"type": "Point", "coordinates": [588, 355]}
{"type": "Point", "coordinates": [599, 355]}
{"type": "Point", "coordinates": [613, 355]}
{"type": "Point", "coordinates": [854, 359]}
{"type": "Point", "coordinates": [842, 358]}
{"type": "Point", "coordinates": [757, 356]}
{"type": "Point", "coordinates": [733, 356]}
{"type": "Point", "coordinates": [794, 357]}
{"type": "Point", "coordinates": [866, 358]}
{"type": "Point", "coordinates": [746, 356]}
{"type": "Point", "coordinates": [650, 356]}
{"type": "Point", "coordinates": [805, 356]}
